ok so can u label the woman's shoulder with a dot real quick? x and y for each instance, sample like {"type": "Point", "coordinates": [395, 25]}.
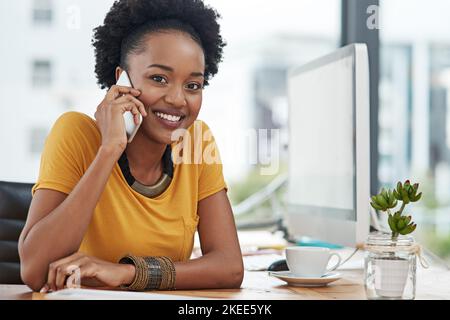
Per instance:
{"type": "Point", "coordinates": [75, 118]}
{"type": "Point", "coordinates": [76, 125]}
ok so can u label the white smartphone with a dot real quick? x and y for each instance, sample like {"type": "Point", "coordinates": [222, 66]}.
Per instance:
{"type": "Point", "coordinates": [130, 126]}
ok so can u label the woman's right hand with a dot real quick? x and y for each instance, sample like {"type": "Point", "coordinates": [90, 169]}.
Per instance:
{"type": "Point", "coordinates": [109, 115]}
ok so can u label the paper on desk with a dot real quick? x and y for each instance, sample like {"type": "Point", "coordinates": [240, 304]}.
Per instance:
{"type": "Point", "coordinates": [92, 294]}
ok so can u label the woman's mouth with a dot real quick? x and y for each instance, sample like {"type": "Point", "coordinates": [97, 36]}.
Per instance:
{"type": "Point", "coordinates": [170, 121]}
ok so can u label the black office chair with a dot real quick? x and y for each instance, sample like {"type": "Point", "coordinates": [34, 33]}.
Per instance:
{"type": "Point", "coordinates": [15, 199]}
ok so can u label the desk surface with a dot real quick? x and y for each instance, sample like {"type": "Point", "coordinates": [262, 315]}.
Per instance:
{"type": "Point", "coordinates": [433, 283]}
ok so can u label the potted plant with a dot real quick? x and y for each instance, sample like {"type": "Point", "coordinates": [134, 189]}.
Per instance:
{"type": "Point", "coordinates": [392, 259]}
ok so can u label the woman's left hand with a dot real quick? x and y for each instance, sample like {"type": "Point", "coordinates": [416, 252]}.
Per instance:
{"type": "Point", "coordinates": [90, 271]}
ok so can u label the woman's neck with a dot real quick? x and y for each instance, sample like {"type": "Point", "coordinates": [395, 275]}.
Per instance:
{"type": "Point", "coordinates": [145, 159]}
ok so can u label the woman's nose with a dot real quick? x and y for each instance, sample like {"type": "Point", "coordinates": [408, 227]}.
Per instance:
{"type": "Point", "coordinates": [175, 96]}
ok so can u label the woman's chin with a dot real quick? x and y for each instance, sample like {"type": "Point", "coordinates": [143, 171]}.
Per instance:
{"type": "Point", "coordinates": [164, 135]}
{"type": "Point", "coordinates": [165, 138]}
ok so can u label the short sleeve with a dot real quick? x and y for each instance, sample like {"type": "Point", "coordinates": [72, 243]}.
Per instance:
{"type": "Point", "coordinates": [211, 178]}
{"type": "Point", "coordinates": [63, 157]}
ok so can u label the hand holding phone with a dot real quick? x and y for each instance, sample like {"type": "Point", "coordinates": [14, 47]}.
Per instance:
{"type": "Point", "coordinates": [119, 106]}
{"type": "Point", "coordinates": [130, 125]}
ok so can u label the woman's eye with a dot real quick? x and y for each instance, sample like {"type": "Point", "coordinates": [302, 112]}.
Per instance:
{"type": "Point", "coordinates": [158, 79]}
{"type": "Point", "coordinates": [194, 86]}
{"type": "Point", "coordinates": [191, 86]}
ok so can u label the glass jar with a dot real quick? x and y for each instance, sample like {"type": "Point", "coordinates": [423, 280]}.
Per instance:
{"type": "Point", "coordinates": [390, 267]}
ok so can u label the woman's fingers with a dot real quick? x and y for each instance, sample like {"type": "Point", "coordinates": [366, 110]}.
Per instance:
{"type": "Point", "coordinates": [83, 270]}
{"type": "Point", "coordinates": [85, 274]}
{"type": "Point", "coordinates": [117, 91]}
{"type": "Point", "coordinates": [131, 107]}
{"type": "Point", "coordinates": [109, 115]}
{"type": "Point", "coordinates": [139, 105]}
{"type": "Point", "coordinates": [45, 289]}
{"type": "Point", "coordinates": [129, 98]}
{"type": "Point", "coordinates": [73, 268]}
{"type": "Point", "coordinates": [135, 113]}
{"type": "Point", "coordinates": [52, 270]}
{"type": "Point", "coordinates": [128, 102]}
{"type": "Point", "coordinates": [74, 280]}
{"type": "Point", "coordinates": [65, 270]}
{"type": "Point", "coordinates": [70, 274]}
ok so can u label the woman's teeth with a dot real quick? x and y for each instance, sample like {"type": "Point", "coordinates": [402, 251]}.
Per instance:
{"type": "Point", "coordinates": [168, 117]}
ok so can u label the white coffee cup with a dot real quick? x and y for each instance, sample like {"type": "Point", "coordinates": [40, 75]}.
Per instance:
{"type": "Point", "coordinates": [310, 261]}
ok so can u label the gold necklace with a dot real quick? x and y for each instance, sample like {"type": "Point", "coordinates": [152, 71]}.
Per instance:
{"type": "Point", "coordinates": [154, 190]}
{"type": "Point", "coordinates": [160, 186]}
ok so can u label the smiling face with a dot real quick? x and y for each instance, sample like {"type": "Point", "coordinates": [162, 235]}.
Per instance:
{"type": "Point", "coordinates": [169, 73]}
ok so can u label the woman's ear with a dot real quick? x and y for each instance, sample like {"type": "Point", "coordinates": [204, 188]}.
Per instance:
{"type": "Point", "coordinates": [119, 71]}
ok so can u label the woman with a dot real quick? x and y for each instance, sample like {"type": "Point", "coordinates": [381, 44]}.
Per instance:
{"type": "Point", "coordinates": [118, 214]}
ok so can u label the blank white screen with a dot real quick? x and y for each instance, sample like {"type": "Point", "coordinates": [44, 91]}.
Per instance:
{"type": "Point", "coordinates": [321, 145]}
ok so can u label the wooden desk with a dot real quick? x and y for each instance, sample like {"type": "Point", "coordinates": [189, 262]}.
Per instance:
{"type": "Point", "coordinates": [433, 283]}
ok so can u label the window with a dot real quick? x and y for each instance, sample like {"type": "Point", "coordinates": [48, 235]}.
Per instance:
{"type": "Point", "coordinates": [414, 117]}
{"type": "Point", "coordinates": [42, 73]}
{"type": "Point", "coordinates": [395, 114]}
{"type": "Point", "coordinates": [42, 12]}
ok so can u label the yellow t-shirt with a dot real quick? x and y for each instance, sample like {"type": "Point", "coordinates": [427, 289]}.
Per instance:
{"type": "Point", "coordinates": [124, 221]}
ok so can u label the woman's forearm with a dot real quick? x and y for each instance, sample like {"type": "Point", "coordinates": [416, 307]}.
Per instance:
{"type": "Point", "coordinates": [213, 270]}
{"type": "Point", "coordinates": [60, 232]}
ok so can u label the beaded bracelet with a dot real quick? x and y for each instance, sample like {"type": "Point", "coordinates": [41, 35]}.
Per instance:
{"type": "Point", "coordinates": [152, 273]}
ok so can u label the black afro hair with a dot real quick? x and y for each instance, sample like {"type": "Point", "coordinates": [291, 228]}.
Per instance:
{"type": "Point", "coordinates": [128, 21]}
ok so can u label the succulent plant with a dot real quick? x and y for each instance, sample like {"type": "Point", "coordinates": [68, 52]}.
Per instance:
{"type": "Point", "coordinates": [388, 199]}
{"type": "Point", "coordinates": [407, 192]}
{"type": "Point", "coordinates": [400, 224]}
{"type": "Point", "coordinates": [384, 200]}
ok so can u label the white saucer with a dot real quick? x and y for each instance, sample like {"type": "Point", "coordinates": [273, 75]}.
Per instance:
{"type": "Point", "coordinates": [297, 281]}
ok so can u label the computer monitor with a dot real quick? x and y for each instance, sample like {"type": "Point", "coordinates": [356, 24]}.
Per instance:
{"type": "Point", "coordinates": [329, 171]}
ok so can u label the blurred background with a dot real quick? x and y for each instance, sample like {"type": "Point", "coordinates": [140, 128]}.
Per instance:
{"type": "Point", "coordinates": [48, 69]}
